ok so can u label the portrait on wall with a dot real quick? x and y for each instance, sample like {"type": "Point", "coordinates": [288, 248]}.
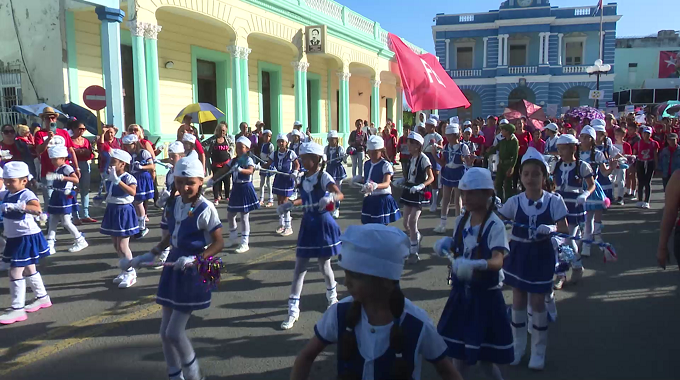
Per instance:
{"type": "Point", "coordinates": [315, 39]}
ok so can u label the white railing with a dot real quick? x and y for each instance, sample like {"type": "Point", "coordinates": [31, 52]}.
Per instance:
{"type": "Point", "coordinates": [327, 7]}
{"type": "Point", "coordinates": [573, 69]}
{"type": "Point", "coordinates": [383, 37]}
{"type": "Point", "coordinates": [359, 22]}
{"type": "Point", "coordinates": [466, 18]}
{"type": "Point", "coordinates": [582, 12]}
{"type": "Point", "coordinates": [522, 70]}
{"type": "Point", "coordinates": [465, 73]}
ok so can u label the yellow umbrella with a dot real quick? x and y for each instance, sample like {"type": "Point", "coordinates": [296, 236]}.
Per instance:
{"type": "Point", "coordinates": [200, 113]}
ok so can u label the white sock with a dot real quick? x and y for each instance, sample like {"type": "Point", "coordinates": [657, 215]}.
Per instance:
{"type": "Point", "coordinates": [287, 219]}
{"type": "Point", "coordinates": [36, 283]}
{"type": "Point", "coordinates": [245, 234]}
{"type": "Point", "coordinates": [282, 218]}
{"type": "Point", "coordinates": [442, 221]}
{"type": "Point", "coordinates": [17, 290]}
{"type": "Point", "coordinates": [142, 222]}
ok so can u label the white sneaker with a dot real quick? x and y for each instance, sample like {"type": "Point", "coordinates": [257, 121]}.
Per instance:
{"type": "Point", "coordinates": [13, 315]}
{"type": "Point", "coordinates": [287, 231]}
{"type": "Point", "coordinates": [646, 205]}
{"type": "Point", "coordinates": [585, 250]}
{"type": "Point", "coordinates": [559, 282]}
{"type": "Point", "coordinates": [289, 322]}
{"type": "Point", "coordinates": [242, 248]}
{"type": "Point", "coordinates": [413, 258]}
{"type": "Point", "coordinates": [280, 230]}
{"type": "Point", "coordinates": [119, 278]}
{"type": "Point", "coordinates": [440, 229]}
{"type": "Point", "coordinates": [79, 245]}
{"type": "Point", "coordinates": [433, 207]}
{"type": "Point", "coordinates": [336, 213]}
{"type": "Point", "coordinates": [143, 232]}
{"type": "Point", "coordinates": [129, 279]}
{"type": "Point", "coordinates": [38, 303]}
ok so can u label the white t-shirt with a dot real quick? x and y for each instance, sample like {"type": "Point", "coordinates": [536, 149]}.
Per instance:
{"type": "Point", "coordinates": [424, 163]}
{"type": "Point", "coordinates": [26, 226]}
{"type": "Point", "coordinates": [558, 210]}
{"type": "Point", "coordinates": [127, 179]}
{"type": "Point", "coordinates": [386, 169]}
{"type": "Point", "coordinates": [373, 341]}
{"type": "Point", "coordinates": [429, 146]}
{"type": "Point", "coordinates": [308, 182]}
{"type": "Point", "coordinates": [208, 220]}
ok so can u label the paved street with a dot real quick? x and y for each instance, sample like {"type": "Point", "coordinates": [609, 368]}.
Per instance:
{"type": "Point", "coordinates": [619, 323]}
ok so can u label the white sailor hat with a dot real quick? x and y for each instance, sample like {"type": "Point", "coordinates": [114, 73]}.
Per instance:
{"type": "Point", "coordinates": [296, 132]}
{"type": "Point", "coordinates": [189, 167]}
{"type": "Point", "coordinates": [597, 122]}
{"type": "Point", "coordinates": [417, 137]}
{"type": "Point", "coordinates": [244, 140]}
{"type": "Point", "coordinates": [588, 130]}
{"type": "Point", "coordinates": [121, 155]}
{"type": "Point", "coordinates": [468, 129]}
{"type": "Point", "coordinates": [646, 129]}
{"type": "Point", "coordinates": [266, 132]}
{"type": "Point", "coordinates": [374, 250]}
{"type": "Point", "coordinates": [503, 121]}
{"type": "Point", "coordinates": [551, 127]}
{"type": "Point", "coordinates": [434, 116]}
{"type": "Point", "coordinates": [188, 137]}
{"type": "Point", "coordinates": [452, 129]}
{"type": "Point", "coordinates": [332, 135]}
{"type": "Point", "coordinates": [454, 120]}
{"type": "Point", "coordinates": [16, 169]}
{"type": "Point", "coordinates": [297, 123]}
{"type": "Point", "coordinates": [476, 179]}
{"type": "Point", "coordinates": [282, 136]}
{"type": "Point", "coordinates": [130, 139]}
{"type": "Point", "coordinates": [467, 122]}
{"type": "Point", "coordinates": [176, 147]}
{"type": "Point", "coordinates": [566, 138]}
{"type": "Point", "coordinates": [375, 143]}
{"type": "Point", "coordinates": [533, 154]}
{"type": "Point", "coordinates": [432, 121]}
{"type": "Point", "coordinates": [57, 151]}
{"type": "Point", "coordinates": [311, 148]}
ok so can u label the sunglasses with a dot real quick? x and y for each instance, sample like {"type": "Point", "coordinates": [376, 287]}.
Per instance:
{"type": "Point", "coordinates": [9, 131]}
{"type": "Point", "coordinates": [82, 129]}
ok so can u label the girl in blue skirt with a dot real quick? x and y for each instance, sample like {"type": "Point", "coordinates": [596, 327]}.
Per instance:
{"type": "Point", "coordinates": [193, 225]}
{"type": "Point", "coordinates": [63, 202]}
{"type": "Point", "coordinates": [454, 159]}
{"type": "Point", "coordinates": [284, 160]}
{"type": "Point", "coordinates": [175, 153]}
{"type": "Point", "coordinates": [140, 167]}
{"type": "Point", "coordinates": [432, 145]}
{"type": "Point", "coordinates": [475, 323]}
{"type": "Point", "coordinates": [266, 150]}
{"type": "Point", "coordinates": [25, 244]}
{"type": "Point", "coordinates": [319, 235]}
{"type": "Point", "coordinates": [379, 206]}
{"type": "Point", "coordinates": [243, 198]}
{"type": "Point", "coordinates": [530, 266]}
{"type": "Point", "coordinates": [120, 220]}
{"type": "Point", "coordinates": [336, 157]}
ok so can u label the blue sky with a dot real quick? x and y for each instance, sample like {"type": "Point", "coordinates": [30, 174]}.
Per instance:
{"type": "Point", "coordinates": [412, 19]}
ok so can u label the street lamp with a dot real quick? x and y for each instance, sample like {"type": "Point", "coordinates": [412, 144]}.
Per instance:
{"type": "Point", "coordinates": [598, 69]}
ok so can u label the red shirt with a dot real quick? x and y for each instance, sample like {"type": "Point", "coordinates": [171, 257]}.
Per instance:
{"type": "Point", "coordinates": [45, 161]}
{"type": "Point", "coordinates": [539, 145]}
{"type": "Point", "coordinates": [480, 141]}
{"type": "Point", "coordinates": [524, 140]}
{"type": "Point", "coordinates": [13, 150]}
{"type": "Point", "coordinates": [610, 133]}
{"type": "Point", "coordinates": [199, 148]}
{"type": "Point", "coordinates": [645, 150]}
{"type": "Point", "coordinates": [83, 150]}
{"type": "Point", "coordinates": [402, 147]}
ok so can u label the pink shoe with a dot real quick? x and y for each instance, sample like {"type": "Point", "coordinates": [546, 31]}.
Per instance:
{"type": "Point", "coordinates": [38, 303]}
{"type": "Point", "coordinates": [12, 316]}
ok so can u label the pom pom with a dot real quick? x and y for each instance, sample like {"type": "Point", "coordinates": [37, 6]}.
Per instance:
{"type": "Point", "coordinates": [43, 217]}
{"type": "Point", "coordinates": [607, 202]}
{"type": "Point", "coordinates": [210, 271]}
{"type": "Point", "coordinates": [610, 254]}
{"type": "Point", "coordinates": [330, 206]}
{"type": "Point", "coordinates": [565, 254]}
{"type": "Point", "coordinates": [427, 195]}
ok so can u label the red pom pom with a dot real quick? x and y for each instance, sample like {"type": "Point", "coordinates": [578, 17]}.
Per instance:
{"type": "Point", "coordinates": [330, 206]}
{"type": "Point", "coordinates": [607, 202]}
{"type": "Point", "coordinates": [427, 195]}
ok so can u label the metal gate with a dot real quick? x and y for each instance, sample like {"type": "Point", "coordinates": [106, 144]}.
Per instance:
{"type": "Point", "coordinates": [10, 93]}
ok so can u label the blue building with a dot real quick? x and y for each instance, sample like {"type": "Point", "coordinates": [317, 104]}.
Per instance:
{"type": "Point", "coordinates": [526, 50]}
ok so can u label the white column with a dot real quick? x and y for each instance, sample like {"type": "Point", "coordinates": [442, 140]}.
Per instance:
{"type": "Point", "coordinates": [448, 59]}
{"type": "Point", "coordinates": [500, 49]}
{"type": "Point", "coordinates": [540, 48]}
{"type": "Point", "coordinates": [486, 43]}
{"type": "Point", "coordinates": [505, 50]}
{"type": "Point", "coordinates": [546, 50]}
{"type": "Point", "coordinates": [559, 48]}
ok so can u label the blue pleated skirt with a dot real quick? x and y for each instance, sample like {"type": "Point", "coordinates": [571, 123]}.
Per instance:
{"type": "Point", "coordinates": [319, 235]}
{"type": "Point", "coordinates": [283, 185]}
{"type": "Point", "coordinates": [475, 325]}
{"type": "Point", "coordinates": [61, 203]}
{"type": "Point", "coordinates": [182, 290]}
{"type": "Point", "coordinates": [144, 186]}
{"type": "Point", "coordinates": [435, 164]}
{"type": "Point", "coordinates": [243, 198]}
{"type": "Point", "coordinates": [25, 250]}
{"type": "Point", "coordinates": [120, 220]}
{"type": "Point", "coordinates": [336, 170]}
{"type": "Point", "coordinates": [530, 266]}
{"type": "Point", "coordinates": [597, 195]}
{"type": "Point", "coordinates": [451, 176]}
{"type": "Point", "coordinates": [380, 209]}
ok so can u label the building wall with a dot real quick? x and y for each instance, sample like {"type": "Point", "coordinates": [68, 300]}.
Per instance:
{"type": "Point", "coordinates": [359, 105]}
{"type": "Point", "coordinates": [88, 51]}
{"type": "Point", "coordinates": [647, 59]}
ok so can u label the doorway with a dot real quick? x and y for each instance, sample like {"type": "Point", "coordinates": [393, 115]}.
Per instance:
{"type": "Point", "coordinates": [266, 99]}
{"type": "Point", "coordinates": [207, 91]}
{"type": "Point", "coordinates": [270, 96]}
{"type": "Point", "coordinates": [128, 85]}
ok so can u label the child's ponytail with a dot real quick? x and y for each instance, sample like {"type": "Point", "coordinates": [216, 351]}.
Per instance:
{"type": "Point", "coordinates": [350, 347]}
{"type": "Point", "coordinates": [400, 370]}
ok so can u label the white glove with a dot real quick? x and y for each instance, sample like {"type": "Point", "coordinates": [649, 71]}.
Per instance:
{"type": "Point", "coordinates": [257, 167]}
{"type": "Point", "coordinates": [581, 199]}
{"type": "Point", "coordinates": [294, 174]}
{"type": "Point", "coordinates": [183, 262]}
{"type": "Point", "coordinates": [546, 229]}
{"type": "Point", "coordinates": [369, 187]}
{"type": "Point", "coordinates": [463, 268]}
{"type": "Point", "coordinates": [5, 155]}
{"type": "Point", "coordinates": [357, 179]}
{"type": "Point", "coordinates": [54, 177]}
{"type": "Point", "coordinates": [344, 159]}
{"type": "Point", "coordinates": [325, 201]}
{"type": "Point", "coordinates": [136, 262]}
{"type": "Point", "coordinates": [137, 166]}
{"type": "Point", "coordinates": [443, 245]}
{"type": "Point", "coordinates": [19, 206]}
{"type": "Point", "coordinates": [113, 177]}
{"type": "Point", "coordinates": [417, 188]}
{"type": "Point", "coordinates": [284, 208]}
{"type": "Point", "coordinates": [163, 198]}
{"type": "Point", "coordinates": [399, 182]}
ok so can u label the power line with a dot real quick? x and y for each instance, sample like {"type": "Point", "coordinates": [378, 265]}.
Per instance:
{"type": "Point", "coordinates": [21, 51]}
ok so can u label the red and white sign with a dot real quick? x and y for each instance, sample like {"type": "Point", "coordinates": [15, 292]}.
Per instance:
{"type": "Point", "coordinates": [669, 64]}
{"type": "Point", "coordinates": [426, 84]}
{"type": "Point", "coordinates": [95, 97]}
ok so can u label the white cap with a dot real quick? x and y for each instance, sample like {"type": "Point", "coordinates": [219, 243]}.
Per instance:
{"type": "Point", "coordinates": [597, 122]}
{"type": "Point", "coordinates": [282, 136]}
{"type": "Point", "coordinates": [421, 124]}
{"type": "Point", "coordinates": [296, 132]}
{"type": "Point", "coordinates": [188, 137]}
{"type": "Point", "coordinates": [647, 129]}
{"type": "Point", "coordinates": [503, 121]}
{"type": "Point", "coordinates": [588, 130]}
{"type": "Point", "coordinates": [311, 148]}
{"type": "Point", "coordinates": [176, 147]}
{"type": "Point", "coordinates": [266, 132]}
{"type": "Point", "coordinates": [375, 143]}
{"type": "Point", "coordinates": [244, 140]}
{"type": "Point", "coordinates": [130, 139]}
{"type": "Point", "coordinates": [453, 120]}
{"type": "Point", "coordinates": [467, 122]}
{"type": "Point", "coordinates": [297, 123]}
{"type": "Point", "coordinates": [189, 167]}
{"type": "Point", "coordinates": [599, 128]}
{"type": "Point", "coordinates": [434, 116]}
{"type": "Point", "coordinates": [57, 151]}
{"type": "Point", "coordinates": [121, 155]}
{"type": "Point", "coordinates": [374, 250]}
{"type": "Point", "coordinates": [452, 129]}
{"type": "Point", "coordinates": [552, 127]}
{"type": "Point", "coordinates": [16, 169]}
{"type": "Point", "coordinates": [417, 137]}
{"type": "Point", "coordinates": [640, 118]}
{"type": "Point", "coordinates": [468, 129]}
{"type": "Point", "coordinates": [567, 138]}
{"type": "Point", "coordinates": [432, 121]}
{"type": "Point", "coordinates": [533, 154]}
{"type": "Point", "coordinates": [332, 135]}
{"type": "Point", "coordinates": [476, 179]}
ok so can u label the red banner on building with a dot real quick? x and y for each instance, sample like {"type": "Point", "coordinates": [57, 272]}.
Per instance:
{"type": "Point", "coordinates": [426, 84]}
{"type": "Point", "coordinates": [669, 65]}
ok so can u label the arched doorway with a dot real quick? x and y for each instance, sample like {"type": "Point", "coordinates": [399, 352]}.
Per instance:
{"type": "Point", "coordinates": [475, 108]}
{"type": "Point", "coordinates": [577, 96]}
{"type": "Point", "coordinates": [521, 93]}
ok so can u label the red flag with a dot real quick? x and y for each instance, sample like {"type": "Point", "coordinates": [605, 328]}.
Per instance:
{"type": "Point", "coordinates": [669, 64]}
{"type": "Point", "coordinates": [426, 84]}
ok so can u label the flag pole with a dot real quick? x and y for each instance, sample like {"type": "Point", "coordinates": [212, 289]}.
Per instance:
{"type": "Point", "coordinates": [601, 36]}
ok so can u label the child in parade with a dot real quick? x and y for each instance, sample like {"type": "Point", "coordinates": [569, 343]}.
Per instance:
{"type": "Point", "coordinates": [647, 152]}
{"type": "Point", "coordinates": [530, 266]}
{"type": "Point", "coordinates": [605, 145]}
{"type": "Point", "coordinates": [413, 195]}
{"type": "Point", "coordinates": [175, 153]}
{"type": "Point", "coordinates": [189, 142]}
{"type": "Point", "coordinates": [507, 148]}
{"type": "Point", "coordinates": [632, 138]}
{"type": "Point", "coordinates": [552, 132]}
{"type": "Point", "coordinates": [62, 201]}
{"type": "Point", "coordinates": [402, 147]}
{"type": "Point", "coordinates": [284, 160]}
{"type": "Point", "coordinates": [336, 157]}
{"type": "Point", "coordinates": [575, 182]}
{"type": "Point", "coordinates": [195, 231]}
{"type": "Point", "coordinates": [537, 142]}
{"type": "Point", "coordinates": [455, 159]}
{"type": "Point", "coordinates": [479, 140]}
{"type": "Point", "coordinates": [319, 235]}
{"type": "Point", "coordinates": [243, 198]}
{"type": "Point", "coordinates": [380, 334]}
{"type": "Point", "coordinates": [475, 322]}
{"type": "Point", "coordinates": [619, 175]}
{"type": "Point", "coordinates": [266, 150]}
{"type": "Point", "coordinates": [25, 243]}
{"type": "Point", "coordinates": [141, 166]}
{"type": "Point", "coordinates": [296, 141]}
{"type": "Point", "coordinates": [431, 146]}
{"type": "Point", "coordinates": [378, 206]}
{"type": "Point", "coordinates": [120, 219]}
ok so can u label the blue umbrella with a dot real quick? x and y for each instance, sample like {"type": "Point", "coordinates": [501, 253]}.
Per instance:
{"type": "Point", "coordinates": [83, 115]}
{"type": "Point", "coordinates": [31, 109]}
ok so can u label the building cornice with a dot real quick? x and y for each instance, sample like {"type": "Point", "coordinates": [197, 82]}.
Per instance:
{"type": "Point", "coordinates": [552, 21]}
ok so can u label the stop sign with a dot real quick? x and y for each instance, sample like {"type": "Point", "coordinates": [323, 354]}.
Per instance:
{"type": "Point", "coordinates": [95, 97]}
